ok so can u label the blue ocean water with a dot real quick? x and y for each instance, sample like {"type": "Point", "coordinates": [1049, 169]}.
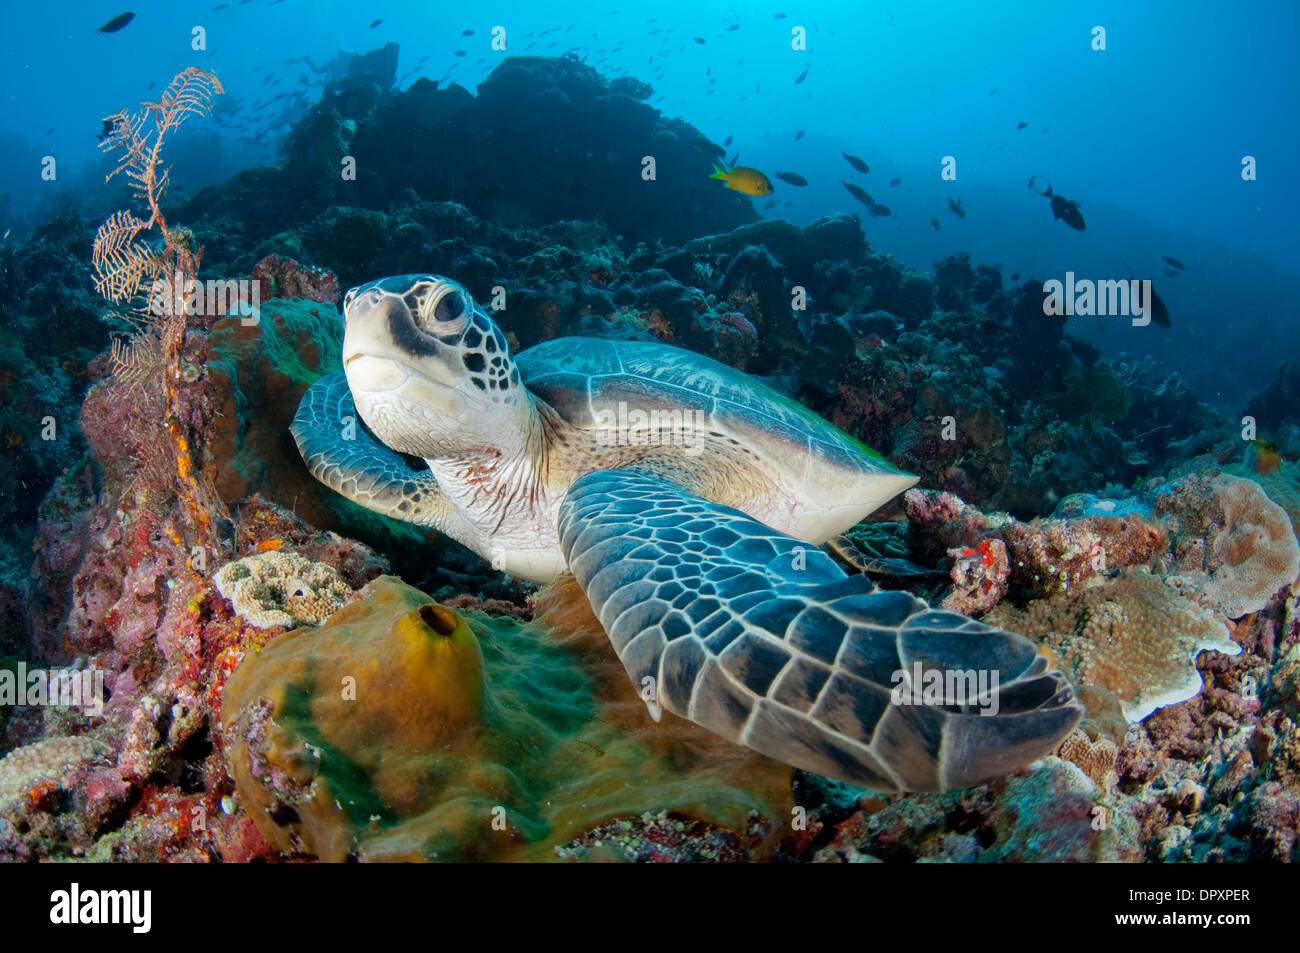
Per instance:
{"type": "Point", "coordinates": [1148, 134]}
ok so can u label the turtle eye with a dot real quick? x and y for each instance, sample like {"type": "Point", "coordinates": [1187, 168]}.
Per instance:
{"type": "Point", "coordinates": [444, 314]}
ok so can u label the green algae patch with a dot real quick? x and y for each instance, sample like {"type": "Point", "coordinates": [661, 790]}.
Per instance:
{"type": "Point", "coordinates": [401, 730]}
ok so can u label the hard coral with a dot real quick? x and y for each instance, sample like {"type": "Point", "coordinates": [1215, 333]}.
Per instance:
{"type": "Point", "coordinates": [276, 588]}
{"type": "Point", "coordinates": [1133, 636]}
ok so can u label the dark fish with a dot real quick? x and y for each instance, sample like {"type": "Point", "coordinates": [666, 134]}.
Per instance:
{"type": "Point", "coordinates": [734, 26]}
{"type": "Point", "coordinates": [1015, 277]}
{"type": "Point", "coordinates": [856, 163]}
{"type": "Point", "coordinates": [1064, 209]}
{"type": "Point", "coordinates": [459, 53]}
{"type": "Point", "coordinates": [956, 208]}
{"type": "Point", "coordinates": [859, 193]}
{"type": "Point", "coordinates": [108, 128]}
{"type": "Point", "coordinates": [466, 32]}
{"type": "Point", "coordinates": [117, 23]}
{"type": "Point", "coordinates": [793, 178]}
{"type": "Point", "coordinates": [799, 135]}
{"type": "Point", "coordinates": [221, 6]}
{"type": "Point", "coordinates": [1174, 262]}
{"type": "Point", "coordinates": [879, 211]}
{"type": "Point", "coordinates": [992, 91]}
{"type": "Point", "coordinates": [375, 23]}
{"type": "Point", "coordinates": [731, 163]}
{"type": "Point", "coordinates": [1171, 271]}
{"type": "Point", "coordinates": [728, 142]}
{"type": "Point", "coordinates": [778, 16]}
{"type": "Point", "coordinates": [700, 39]}
{"type": "Point", "coordinates": [895, 183]}
{"type": "Point", "coordinates": [50, 130]}
{"type": "Point", "coordinates": [1159, 313]}
{"type": "Point", "coordinates": [802, 76]}
{"type": "Point", "coordinates": [934, 223]}
{"type": "Point", "coordinates": [771, 203]}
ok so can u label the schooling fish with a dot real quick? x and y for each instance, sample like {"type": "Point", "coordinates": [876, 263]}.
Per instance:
{"type": "Point", "coordinates": [728, 142]}
{"type": "Point", "coordinates": [1021, 125]}
{"type": "Point", "coordinates": [957, 208]}
{"type": "Point", "coordinates": [117, 23]}
{"type": "Point", "coordinates": [856, 163]}
{"type": "Point", "coordinates": [895, 183]}
{"type": "Point", "coordinates": [1062, 208]}
{"type": "Point", "coordinates": [799, 135]}
{"type": "Point", "coordinates": [859, 193]}
{"type": "Point", "coordinates": [802, 76]}
{"type": "Point", "coordinates": [466, 32]}
{"type": "Point", "coordinates": [1174, 262]}
{"type": "Point", "coordinates": [793, 178]}
{"type": "Point", "coordinates": [375, 23]}
{"type": "Point", "coordinates": [733, 160]}
{"type": "Point", "coordinates": [743, 179]}
{"type": "Point", "coordinates": [107, 130]}
{"type": "Point", "coordinates": [700, 39]}
{"type": "Point", "coordinates": [879, 211]}
{"type": "Point", "coordinates": [934, 223]}
{"type": "Point", "coordinates": [769, 204]}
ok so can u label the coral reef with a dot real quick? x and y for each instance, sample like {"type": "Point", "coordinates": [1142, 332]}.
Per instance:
{"type": "Point", "coordinates": [281, 588]}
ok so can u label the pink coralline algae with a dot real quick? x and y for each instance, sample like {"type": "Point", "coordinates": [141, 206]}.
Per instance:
{"type": "Point", "coordinates": [286, 278]}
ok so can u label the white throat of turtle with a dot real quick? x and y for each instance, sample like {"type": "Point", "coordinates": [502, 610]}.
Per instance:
{"type": "Point", "coordinates": [507, 479]}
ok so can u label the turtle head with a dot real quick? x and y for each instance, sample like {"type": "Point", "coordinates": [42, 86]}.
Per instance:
{"type": "Point", "coordinates": [430, 372]}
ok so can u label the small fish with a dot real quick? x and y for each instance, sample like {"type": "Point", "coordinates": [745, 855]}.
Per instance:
{"type": "Point", "coordinates": [993, 91]}
{"type": "Point", "coordinates": [221, 6]}
{"type": "Point", "coordinates": [701, 40]}
{"type": "Point", "coordinates": [106, 131]}
{"type": "Point", "coordinates": [770, 204]}
{"type": "Point", "coordinates": [793, 178]}
{"type": "Point", "coordinates": [957, 208]}
{"type": "Point", "coordinates": [728, 142]}
{"type": "Point", "coordinates": [1066, 210]}
{"type": "Point", "coordinates": [50, 130]}
{"type": "Point", "coordinates": [1171, 271]}
{"type": "Point", "coordinates": [802, 76]}
{"type": "Point", "coordinates": [1174, 262]}
{"type": "Point", "coordinates": [1159, 312]}
{"type": "Point", "coordinates": [895, 183]}
{"type": "Point", "coordinates": [459, 53]}
{"type": "Point", "coordinates": [743, 179]}
{"type": "Point", "coordinates": [879, 211]}
{"type": "Point", "coordinates": [733, 27]}
{"type": "Point", "coordinates": [799, 135]}
{"type": "Point", "coordinates": [466, 32]}
{"type": "Point", "coordinates": [375, 23]}
{"type": "Point", "coordinates": [934, 223]}
{"type": "Point", "coordinates": [778, 16]}
{"type": "Point", "coordinates": [117, 23]}
{"type": "Point", "coordinates": [734, 159]}
{"type": "Point", "coordinates": [1021, 125]}
{"type": "Point", "coordinates": [1015, 277]}
{"type": "Point", "coordinates": [856, 163]}
{"type": "Point", "coordinates": [859, 193]}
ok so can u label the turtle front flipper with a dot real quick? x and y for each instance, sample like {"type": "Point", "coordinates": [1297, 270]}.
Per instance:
{"type": "Point", "coordinates": [343, 456]}
{"type": "Point", "coordinates": [765, 641]}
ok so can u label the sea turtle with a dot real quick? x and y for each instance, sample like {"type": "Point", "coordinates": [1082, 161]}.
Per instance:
{"type": "Point", "coordinates": [684, 497]}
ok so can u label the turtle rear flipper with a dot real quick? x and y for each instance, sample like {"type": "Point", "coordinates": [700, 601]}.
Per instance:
{"type": "Point", "coordinates": [765, 641]}
{"type": "Point", "coordinates": [848, 553]}
{"type": "Point", "coordinates": [342, 455]}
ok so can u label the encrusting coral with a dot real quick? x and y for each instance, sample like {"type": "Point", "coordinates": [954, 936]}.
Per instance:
{"type": "Point", "coordinates": [1230, 539]}
{"type": "Point", "coordinates": [279, 588]}
{"type": "Point", "coordinates": [1133, 636]}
